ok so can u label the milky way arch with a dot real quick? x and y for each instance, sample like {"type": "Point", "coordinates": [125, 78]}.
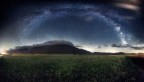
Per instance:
{"type": "Point", "coordinates": [107, 15]}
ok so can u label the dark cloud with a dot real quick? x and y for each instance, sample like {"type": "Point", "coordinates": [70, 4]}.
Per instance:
{"type": "Point", "coordinates": [128, 46]}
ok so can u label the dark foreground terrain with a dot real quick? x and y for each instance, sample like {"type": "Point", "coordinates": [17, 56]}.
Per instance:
{"type": "Point", "coordinates": [70, 68]}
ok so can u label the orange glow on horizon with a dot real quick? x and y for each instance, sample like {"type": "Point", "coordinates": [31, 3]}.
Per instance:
{"type": "Point", "coordinates": [3, 51]}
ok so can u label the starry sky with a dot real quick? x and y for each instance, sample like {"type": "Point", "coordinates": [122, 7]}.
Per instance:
{"type": "Point", "coordinates": [94, 26]}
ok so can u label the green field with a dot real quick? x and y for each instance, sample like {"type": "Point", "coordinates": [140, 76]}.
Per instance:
{"type": "Point", "coordinates": [68, 68]}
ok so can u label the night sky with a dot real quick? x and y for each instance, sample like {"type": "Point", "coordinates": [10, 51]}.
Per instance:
{"type": "Point", "coordinates": [93, 25]}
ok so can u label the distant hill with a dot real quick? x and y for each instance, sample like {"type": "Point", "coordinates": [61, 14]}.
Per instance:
{"type": "Point", "coordinates": [49, 47]}
{"type": "Point", "coordinates": [107, 53]}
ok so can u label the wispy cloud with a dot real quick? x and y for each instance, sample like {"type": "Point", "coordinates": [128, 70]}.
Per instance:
{"type": "Point", "coordinates": [136, 47]}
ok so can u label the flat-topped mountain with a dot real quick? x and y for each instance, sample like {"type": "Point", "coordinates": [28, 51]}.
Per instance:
{"type": "Point", "coordinates": [49, 47]}
{"type": "Point", "coordinates": [57, 42]}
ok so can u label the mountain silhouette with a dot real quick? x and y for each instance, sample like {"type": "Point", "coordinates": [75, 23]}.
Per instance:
{"type": "Point", "coordinates": [49, 47]}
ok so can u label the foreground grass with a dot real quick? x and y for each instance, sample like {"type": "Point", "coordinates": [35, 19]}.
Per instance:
{"type": "Point", "coordinates": [68, 68]}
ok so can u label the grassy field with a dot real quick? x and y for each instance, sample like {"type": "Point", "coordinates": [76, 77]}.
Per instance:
{"type": "Point", "coordinates": [68, 68]}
